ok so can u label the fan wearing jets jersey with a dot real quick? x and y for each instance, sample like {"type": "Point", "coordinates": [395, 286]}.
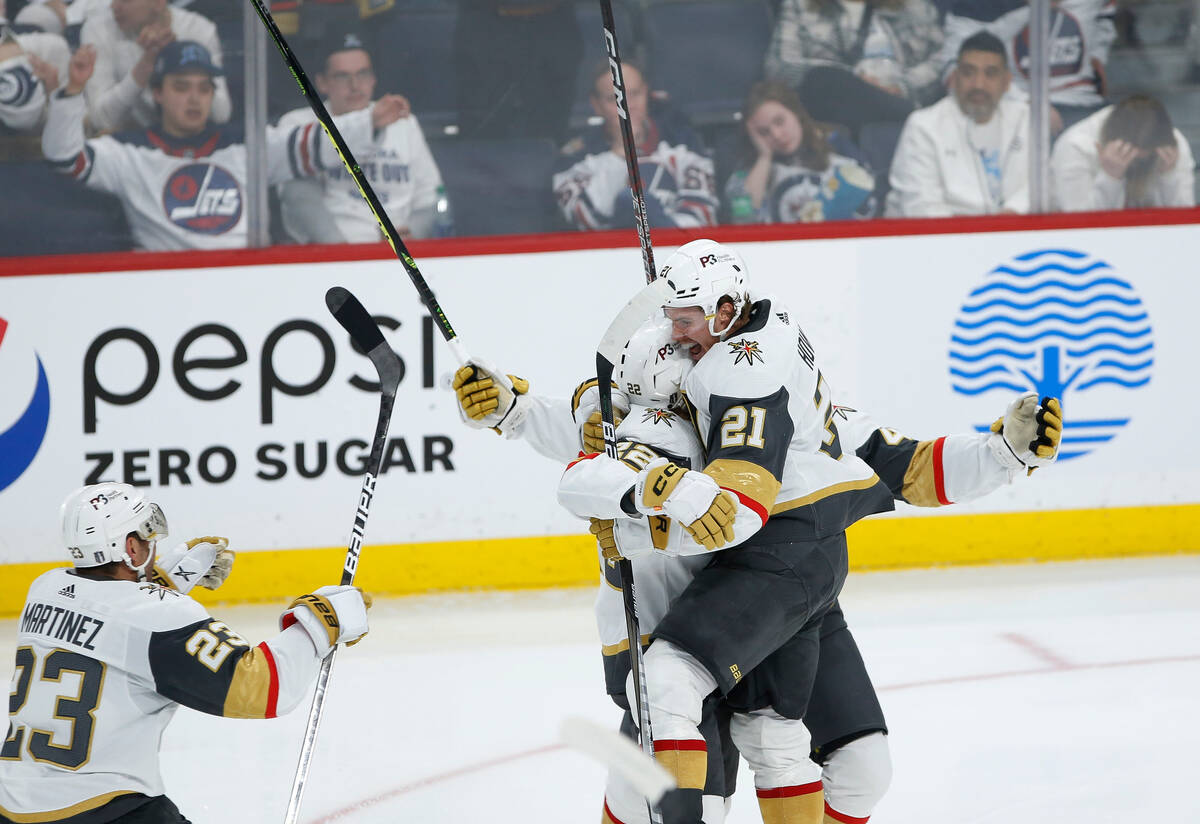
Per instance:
{"type": "Point", "coordinates": [181, 182]}
{"type": "Point", "coordinates": [109, 648]}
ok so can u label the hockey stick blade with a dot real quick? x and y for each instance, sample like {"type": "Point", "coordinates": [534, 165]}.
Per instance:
{"type": "Point", "coordinates": [364, 331]}
{"type": "Point", "coordinates": [619, 754]}
{"type": "Point", "coordinates": [631, 317]}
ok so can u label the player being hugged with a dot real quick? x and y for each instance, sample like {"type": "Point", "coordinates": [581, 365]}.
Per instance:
{"type": "Point", "coordinates": [108, 649]}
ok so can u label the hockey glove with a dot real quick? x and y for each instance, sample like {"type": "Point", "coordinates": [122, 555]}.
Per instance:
{"type": "Point", "coordinates": [205, 561]}
{"type": "Point", "coordinates": [714, 528]}
{"type": "Point", "coordinates": [488, 399]}
{"type": "Point", "coordinates": [1029, 434]}
{"type": "Point", "coordinates": [585, 407]}
{"type": "Point", "coordinates": [690, 498]}
{"type": "Point", "coordinates": [591, 434]}
{"type": "Point", "coordinates": [606, 536]}
{"type": "Point", "coordinates": [330, 615]}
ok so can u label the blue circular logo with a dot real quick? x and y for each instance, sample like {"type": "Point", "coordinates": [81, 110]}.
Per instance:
{"type": "Point", "coordinates": [1062, 323]}
{"type": "Point", "coordinates": [204, 198]}
{"type": "Point", "coordinates": [20, 441]}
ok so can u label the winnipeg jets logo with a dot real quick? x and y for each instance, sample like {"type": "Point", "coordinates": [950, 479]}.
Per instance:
{"type": "Point", "coordinates": [746, 350]}
{"type": "Point", "coordinates": [204, 198]}
{"type": "Point", "coordinates": [657, 416]}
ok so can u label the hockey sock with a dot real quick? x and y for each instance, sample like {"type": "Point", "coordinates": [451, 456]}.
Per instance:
{"type": "Point", "coordinates": [798, 804]}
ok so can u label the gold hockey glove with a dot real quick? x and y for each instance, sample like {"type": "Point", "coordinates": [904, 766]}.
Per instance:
{"type": "Point", "coordinates": [606, 536]}
{"type": "Point", "coordinates": [592, 431]}
{"type": "Point", "coordinates": [714, 528]}
{"type": "Point", "coordinates": [655, 484]}
{"type": "Point", "coordinates": [1029, 434]}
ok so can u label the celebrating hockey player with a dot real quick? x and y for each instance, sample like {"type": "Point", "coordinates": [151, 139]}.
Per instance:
{"type": "Point", "coordinates": [108, 649]}
{"type": "Point", "coordinates": [844, 715]}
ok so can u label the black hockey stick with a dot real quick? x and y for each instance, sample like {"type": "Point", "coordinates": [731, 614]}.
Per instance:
{"type": "Point", "coordinates": [364, 186]}
{"type": "Point", "coordinates": [627, 321]}
{"type": "Point", "coordinates": [631, 157]}
{"type": "Point", "coordinates": [366, 335]}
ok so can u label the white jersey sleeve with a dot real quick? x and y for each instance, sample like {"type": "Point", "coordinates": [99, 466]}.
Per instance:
{"type": "Point", "coordinates": [100, 668]}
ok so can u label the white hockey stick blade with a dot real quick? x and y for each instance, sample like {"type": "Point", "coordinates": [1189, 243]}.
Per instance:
{"type": "Point", "coordinates": [619, 754]}
{"type": "Point", "coordinates": [631, 317]}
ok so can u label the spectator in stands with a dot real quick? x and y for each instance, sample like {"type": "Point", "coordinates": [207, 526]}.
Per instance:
{"type": "Point", "coordinates": [592, 187]}
{"type": "Point", "coordinates": [857, 61]}
{"type": "Point", "coordinates": [399, 164]}
{"type": "Point", "coordinates": [1081, 34]}
{"type": "Point", "coordinates": [793, 170]}
{"type": "Point", "coordinates": [1126, 156]}
{"type": "Point", "coordinates": [62, 17]}
{"type": "Point", "coordinates": [181, 181]}
{"type": "Point", "coordinates": [127, 38]}
{"type": "Point", "coordinates": [30, 68]}
{"type": "Point", "coordinates": [516, 63]}
{"type": "Point", "coordinates": [967, 154]}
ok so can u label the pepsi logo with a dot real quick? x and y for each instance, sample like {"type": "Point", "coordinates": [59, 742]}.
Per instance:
{"type": "Point", "coordinates": [25, 410]}
{"type": "Point", "coordinates": [204, 198]}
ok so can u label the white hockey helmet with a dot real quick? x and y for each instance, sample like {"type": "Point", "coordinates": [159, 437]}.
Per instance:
{"type": "Point", "coordinates": [703, 272]}
{"type": "Point", "coordinates": [652, 366]}
{"type": "Point", "coordinates": [96, 520]}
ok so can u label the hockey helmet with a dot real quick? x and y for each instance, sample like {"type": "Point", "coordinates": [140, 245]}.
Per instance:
{"type": "Point", "coordinates": [652, 366]}
{"type": "Point", "coordinates": [96, 520]}
{"type": "Point", "coordinates": [702, 272]}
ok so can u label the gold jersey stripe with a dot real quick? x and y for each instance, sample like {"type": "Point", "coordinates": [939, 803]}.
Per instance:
{"type": "Point", "coordinates": [750, 479]}
{"type": "Point", "coordinates": [920, 485]}
{"type": "Point", "coordinates": [821, 494]}
{"type": "Point", "coordinates": [65, 812]}
{"type": "Point", "coordinates": [617, 649]}
{"type": "Point", "coordinates": [250, 688]}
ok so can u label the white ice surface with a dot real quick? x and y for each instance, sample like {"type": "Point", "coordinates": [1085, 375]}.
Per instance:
{"type": "Point", "coordinates": [1041, 693]}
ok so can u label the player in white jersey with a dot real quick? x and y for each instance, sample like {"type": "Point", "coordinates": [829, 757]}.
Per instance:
{"type": "Point", "coordinates": [848, 730]}
{"type": "Point", "coordinates": [107, 650]}
{"type": "Point", "coordinates": [398, 164]}
{"type": "Point", "coordinates": [847, 725]}
{"type": "Point", "coordinates": [182, 183]}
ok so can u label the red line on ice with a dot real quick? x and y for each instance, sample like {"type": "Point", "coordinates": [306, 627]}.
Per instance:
{"type": "Point", "coordinates": [1058, 666]}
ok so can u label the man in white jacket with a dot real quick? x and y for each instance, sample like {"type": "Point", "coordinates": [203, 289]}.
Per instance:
{"type": "Point", "coordinates": [967, 154]}
{"type": "Point", "coordinates": [1127, 156]}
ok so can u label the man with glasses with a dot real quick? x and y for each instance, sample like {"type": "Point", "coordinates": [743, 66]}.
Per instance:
{"type": "Point", "coordinates": [399, 165]}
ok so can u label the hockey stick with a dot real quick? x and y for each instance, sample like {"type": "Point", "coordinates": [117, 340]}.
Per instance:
{"type": "Point", "coordinates": [364, 186]}
{"type": "Point", "coordinates": [365, 333]}
{"type": "Point", "coordinates": [631, 158]}
{"type": "Point", "coordinates": [619, 754]}
{"type": "Point", "coordinates": [627, 321]}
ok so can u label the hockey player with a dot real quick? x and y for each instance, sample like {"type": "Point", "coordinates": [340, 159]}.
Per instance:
{"type": "Point", "coordinates": [105, 655]}
{"type": "Point", "coordinates": [181, 182]}
{"type": "Point", "coordinates": [844, 714]}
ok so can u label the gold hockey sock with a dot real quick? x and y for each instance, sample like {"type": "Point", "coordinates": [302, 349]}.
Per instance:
{"type": "Point", "coordinates": [799, 804]}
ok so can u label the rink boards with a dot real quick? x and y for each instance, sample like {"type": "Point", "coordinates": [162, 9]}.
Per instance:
{"type": "Point", "coordinates": [231, 393]}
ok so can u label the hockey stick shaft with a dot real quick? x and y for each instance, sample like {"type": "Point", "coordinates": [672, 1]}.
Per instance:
{"type": "Point", "coordinates": [365, 333]}
{"type": "Point", "coordinates": [623, 326]}
{"type": "Point", "coordinates": [631, 155]}
{"type": "Point", "coordinates": [360, 179]}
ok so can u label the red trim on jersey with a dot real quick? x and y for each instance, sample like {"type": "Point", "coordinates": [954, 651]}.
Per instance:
{"type": "Point", "coordinates": [681, 744]}
{"type": "Point", "coordinates": [80, 164]}
{"type": "Point", "coordinates": [575, 241]}
{"type": "Point", "coordinates": [3, 329]}
{"type": "Point", "coordinates": [304, 159]}
{"type": "Point", "coordinates": [608, 812]}
{"type": "Point", "coordinates": [273, 689]}
{"type": "Point", "coordinates": [842, 817]}
{"type": "Point", "coordinates": [792, 791]}
{"type": "Point", "coordinates": [583, 457]}
{"type": "Point", "coordinates": [750, 503]}
{"type": "Point", "coordinates": [939, 472]}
